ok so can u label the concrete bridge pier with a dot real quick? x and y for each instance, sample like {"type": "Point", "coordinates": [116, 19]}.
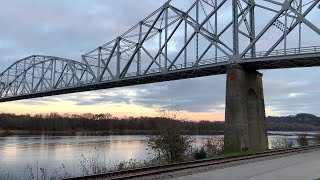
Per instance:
{"type": "Point", "coordinates": [245, 110]}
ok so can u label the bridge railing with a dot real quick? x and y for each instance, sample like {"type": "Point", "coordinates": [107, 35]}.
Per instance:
{"type": "Point", "coordinates": [283, 52]}
{"type": "Point", "coordinates": [261, 54]}
{"type": "Point", "coordinates": [178, 66]}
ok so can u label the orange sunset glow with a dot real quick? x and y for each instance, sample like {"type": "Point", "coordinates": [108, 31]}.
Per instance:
{"type": "Point", "coordinates": [116, 109]}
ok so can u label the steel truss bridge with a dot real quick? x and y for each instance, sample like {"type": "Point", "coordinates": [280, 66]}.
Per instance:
{"type": "Point", "coordinates": [179, 41]}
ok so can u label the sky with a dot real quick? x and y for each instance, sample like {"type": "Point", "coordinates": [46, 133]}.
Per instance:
{"type": "Point", "coordinates": [71, 28]}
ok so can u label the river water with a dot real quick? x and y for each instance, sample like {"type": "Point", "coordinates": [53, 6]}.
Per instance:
{"type": "Point", "coordinates": [20, 152]}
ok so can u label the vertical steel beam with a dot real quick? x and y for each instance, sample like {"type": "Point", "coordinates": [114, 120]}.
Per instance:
{"type": "Point", "coordinates": [54, 73]}
{"type": "Point", "coordinates": [139, 52]}
{"type": "Point", "coordinates": [118, 57]}
{"type": "Point", "coordinates": [15, 77]}
{"type": "Point", "coordinates": [99, 62]}
{"type": "Point", "coordinates": [51, 78]}
{"type": "Point", "coordinates": [300, 11]}
{"type": "Point", "coordinates": [160, 45]}
{"type": "Point", "coordinates": [235, 26]}
{"type": "Point", "coordinates": [74, 74]}
{"type": "Point", "coordinates": [61, 75]}
{"type": "Point", "coordinates": [1, 84]}
{"type": "Point", "coordinates": [24, 68]}
{"type": "Point", "coordinates": [42, 75]}
{"type": "Point", "coordinates": [185, 42]}
{"type": "Point", "coordinates": [166, 39]}
{"type": "Point", "coordinates": [285, 31]}
{"type": "Point", "coordinates": [86, 77]}
{"type": "Point", "coordinates": [216, 30]}
{"type": "Point", "coordinates": [32, 81]}
{"type": "Point", "coordinates": [197, 30]}
{"type": "Point", "coordinates": [252, 26]}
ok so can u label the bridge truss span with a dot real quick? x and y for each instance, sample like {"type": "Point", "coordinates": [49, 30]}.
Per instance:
{"type": "Point", "coordinates": [178, 41]}
{"type": "Point", "coordinates": [39, 73]}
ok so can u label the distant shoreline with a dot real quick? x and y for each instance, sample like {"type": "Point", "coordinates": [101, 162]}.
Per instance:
{"type": "Point", "coordinates": [95, 133]}
{"type": "Point", "coordinates": [107, 133]}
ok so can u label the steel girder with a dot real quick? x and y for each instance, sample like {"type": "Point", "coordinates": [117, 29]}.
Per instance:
{"type": "Point", "coordinates": [199, 39]}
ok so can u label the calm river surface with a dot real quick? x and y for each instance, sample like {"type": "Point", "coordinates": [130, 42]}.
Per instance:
{"type": "Point", "coordinates": [17, 151]}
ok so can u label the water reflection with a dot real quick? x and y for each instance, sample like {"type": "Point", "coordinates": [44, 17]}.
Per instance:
{"type": "Point", "coordinates": [16, 151]}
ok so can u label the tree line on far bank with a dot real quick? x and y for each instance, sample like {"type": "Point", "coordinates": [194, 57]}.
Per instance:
{"type": "Point", "coordinates": [142, 125]}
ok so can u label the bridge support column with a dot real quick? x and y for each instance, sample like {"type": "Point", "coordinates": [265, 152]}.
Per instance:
{"type": "Point", "coordinates": [245, 110]}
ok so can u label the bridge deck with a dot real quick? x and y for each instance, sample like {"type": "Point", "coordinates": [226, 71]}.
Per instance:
{"type": "Point", "coordinates": [205, 68]}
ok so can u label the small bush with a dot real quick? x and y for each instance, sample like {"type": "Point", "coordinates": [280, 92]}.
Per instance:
{"type": "Point", "coordinates": [94, 162]}
{"type": "Point", "coordinates": [302, 140]}
{"type": "Point", "coordinates": [214, 146]}
{"type": "Point", "coordinates": [200, 154]}
{"type": "Point", "coordinates": [131, 164]}
{"type": "Point", "coordinates": [244, 148]}
{"type": "Point", "coordinates": [281, 142]}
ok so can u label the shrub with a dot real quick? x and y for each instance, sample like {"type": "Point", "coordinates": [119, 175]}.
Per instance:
{"type": "Point", "coordinates": [169, 142]}
{"type": "Point", "coordinates": [302, 140]}
{"type": "Point", "coordinates": [200, 154]}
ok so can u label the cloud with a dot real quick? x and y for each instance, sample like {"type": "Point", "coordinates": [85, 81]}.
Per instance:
{"type": "Point", "coordinates": [39, 101]}
{"type": "Point", "coordinates": [193, 95]}
{"type": "Point", "coordinates": [64, 28]}
{"type": "Point", "coordinates": [290, 91]}
{"type": "Point", "coordinates": [68, 29]}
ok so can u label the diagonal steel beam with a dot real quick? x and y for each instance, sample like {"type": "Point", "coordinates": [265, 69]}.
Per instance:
{"type": "Point", "coordinates": [41, 79]}
{"type": "Point", "coordinates": [253, 42]}
{"type": "Point", "coordinates": [291, 28]}
{"type": "Point", "coordinates": [177, 11]}
{"type": "Point", "coordinates": [107, 63]}
{"type": "Point", "coordinates": [203, 54]}
{"type": "Point", "coordinates": [89, 67]}
{"type": "Point", "coordinates": [153, 60]}
{"type": "Point", "coordinates": [61, 76]}
{"type": "Point", "coordinates": [306, 22]}
{"type": "Point", "coordinates": [181, 50]}
{"type": "Point", "coordinates": [122, 74]}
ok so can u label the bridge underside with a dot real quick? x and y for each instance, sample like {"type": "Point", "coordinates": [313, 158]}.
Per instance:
{"type": "Point", "coordinates": [296, 61]}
